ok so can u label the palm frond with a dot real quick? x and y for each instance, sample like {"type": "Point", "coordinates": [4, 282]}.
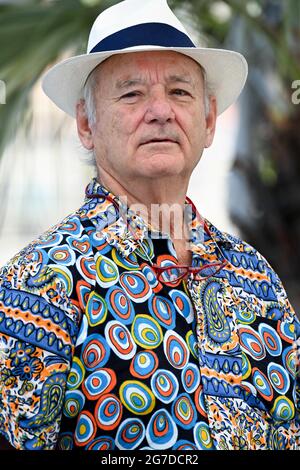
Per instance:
{"type": "Point", "coordinates": [36, 34]}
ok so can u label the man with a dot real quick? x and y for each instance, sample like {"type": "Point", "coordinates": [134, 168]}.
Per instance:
{"type": "Point", "coordinates": [123, 327]}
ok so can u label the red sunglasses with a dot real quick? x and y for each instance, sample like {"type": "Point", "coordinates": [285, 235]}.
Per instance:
{"type": "Point", "coordinates": [175, 272]}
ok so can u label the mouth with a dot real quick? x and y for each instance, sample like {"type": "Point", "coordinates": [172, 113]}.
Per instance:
{"type": "Point", "coordinates": [159, 141]}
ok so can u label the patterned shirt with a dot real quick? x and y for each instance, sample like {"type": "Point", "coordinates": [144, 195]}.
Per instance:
{"type": "Point", "coordinates": [96, 353]}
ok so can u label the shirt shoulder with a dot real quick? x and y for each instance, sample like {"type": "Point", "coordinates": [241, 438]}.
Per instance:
{"type": "Point", "coordinates": [40, 314]}
{"type": "Point", "coordinates": [238, 251]}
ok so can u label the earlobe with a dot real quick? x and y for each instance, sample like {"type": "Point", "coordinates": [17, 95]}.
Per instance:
{"type": "Point", "coordinates": [83, 129]}
{"type": "Point", "coordinates": [211, 121]}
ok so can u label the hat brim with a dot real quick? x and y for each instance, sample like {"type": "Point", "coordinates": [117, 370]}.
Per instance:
{"type": "Point", "coordinates": [226, 73]}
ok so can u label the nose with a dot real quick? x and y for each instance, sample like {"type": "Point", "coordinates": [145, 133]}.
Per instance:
{"type": "Point", "coordinates": [159, 109]}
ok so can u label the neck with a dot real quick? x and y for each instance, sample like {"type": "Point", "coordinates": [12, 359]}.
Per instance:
{"type": "Point", "coordinates": [159, 203]}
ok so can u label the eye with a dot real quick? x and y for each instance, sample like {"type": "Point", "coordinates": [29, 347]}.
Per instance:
{"type": "Point", "coordinates": [180, 92]}
{"type": "Point", "coordinates": [131, 95]}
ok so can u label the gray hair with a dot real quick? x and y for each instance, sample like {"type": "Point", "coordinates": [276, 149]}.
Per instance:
{"type": "Point", "coordinates": [90, 108]}
{"type": "Point", "coordinates": [89, 97]}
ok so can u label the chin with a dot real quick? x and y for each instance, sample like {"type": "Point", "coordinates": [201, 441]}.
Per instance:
{"type": "Point", "coordinates": [162, 165]}
{"type": "Point", "coordinates": [159, 171]}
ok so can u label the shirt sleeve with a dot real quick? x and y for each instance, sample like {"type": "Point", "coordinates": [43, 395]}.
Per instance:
{"type": "Point", "coordinates": [38, 330]}
{"type": "Point", "coordinates": [290, 431]}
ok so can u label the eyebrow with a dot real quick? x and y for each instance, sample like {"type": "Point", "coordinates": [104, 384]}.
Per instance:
{"type": "Point", "coordinates": [124, 84]}
{"type": "Point", "coordinates": [180, 79]}
{"type": "Point", "coordinates": [121, 84]}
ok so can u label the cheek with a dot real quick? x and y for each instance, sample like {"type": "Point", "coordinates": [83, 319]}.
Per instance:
{"type": "Point", "coordinates": [194, 126]}
{"type": "Point", "coordinates": [114, 138]}
{"type": "Point", "coordinates": [125, 131]}
{"type": "Point", "coordinates": [106, 133]}
{"type": "Point", "coordinates": [117, 127]}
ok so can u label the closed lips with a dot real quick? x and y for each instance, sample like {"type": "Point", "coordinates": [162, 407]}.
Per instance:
{"type": "Point", "coordinates": [150, 141]}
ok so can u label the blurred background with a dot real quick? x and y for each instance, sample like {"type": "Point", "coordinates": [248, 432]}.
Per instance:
{"type": "Point", "coordinates": [247, 183]}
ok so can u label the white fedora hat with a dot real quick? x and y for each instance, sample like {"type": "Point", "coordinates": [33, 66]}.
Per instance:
{"type": "Point", "coordinates": [143, 25]}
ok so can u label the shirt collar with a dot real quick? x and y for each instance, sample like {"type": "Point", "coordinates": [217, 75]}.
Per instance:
{"type": "Point", "coordinates": [114, 225]}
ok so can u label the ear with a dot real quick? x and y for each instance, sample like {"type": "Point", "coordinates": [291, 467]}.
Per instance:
{"type": "Point", "coordinates": [211, 119]}
{"type": "Point", "coordinates": [83, 128]}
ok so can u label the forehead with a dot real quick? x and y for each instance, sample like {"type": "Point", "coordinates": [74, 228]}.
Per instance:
{"type": "Point", "coordinates": [168, 63]}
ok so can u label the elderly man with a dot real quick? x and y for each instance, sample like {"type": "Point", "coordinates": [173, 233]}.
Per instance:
{"type": "Point", "coordinates": [134, 323]}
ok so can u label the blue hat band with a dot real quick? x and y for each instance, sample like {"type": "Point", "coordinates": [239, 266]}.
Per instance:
{"type": "Point", "coordinates": [152, 34]}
